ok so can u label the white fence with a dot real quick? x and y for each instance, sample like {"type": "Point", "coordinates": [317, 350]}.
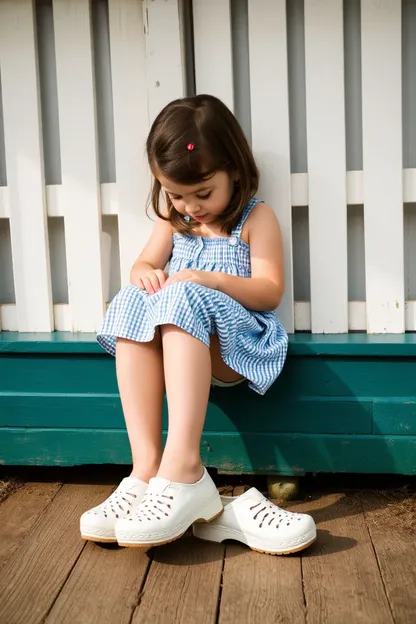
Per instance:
{"type": "Point", "coordinates": [325, 90]}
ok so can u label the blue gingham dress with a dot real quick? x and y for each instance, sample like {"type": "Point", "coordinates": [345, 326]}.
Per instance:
{"type": "Point", "coordinates": [254, 344]}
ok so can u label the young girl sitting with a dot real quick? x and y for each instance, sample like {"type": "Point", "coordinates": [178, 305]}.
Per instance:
{"type": "Point", "coordinates": [209, 320]}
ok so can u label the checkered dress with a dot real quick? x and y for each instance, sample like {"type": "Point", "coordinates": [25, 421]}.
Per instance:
{"type": "Point", "coordinates": [252, 343]}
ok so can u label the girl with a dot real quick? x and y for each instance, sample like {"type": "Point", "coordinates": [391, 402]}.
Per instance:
{"type": "Point", "coordinates": [209, 320]}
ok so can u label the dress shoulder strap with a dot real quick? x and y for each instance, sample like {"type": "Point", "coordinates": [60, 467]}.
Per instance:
{"type": "Point", "coordinates": [253, 202]}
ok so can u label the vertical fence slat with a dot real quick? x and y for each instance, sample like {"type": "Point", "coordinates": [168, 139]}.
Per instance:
{"type": "Point", "coordinates": [382, 157]}
{"type": "Point", "coordinates": [22, 130]}
{"type": "Point", "coordinates": [75, 82]}
{"type": "Point", "coordinates": [325, 112]}
{"type": "Point", "coordinates": [213, 51]}
{"type": "Point", "coordinates": [131, 124]}
{"type": "Point", "coordinates": [164, 60]}
{"type": "Point", "coordinates": [270, 123]}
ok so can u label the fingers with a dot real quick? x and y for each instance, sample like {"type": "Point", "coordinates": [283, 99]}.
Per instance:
{"type": "Point", "coordinates": [148, 286]}
{"type": "Point", "coordinates": [162, 277]}
{"type": "Point", "coordinates": [153, 282]}
{"type": "Point", "coordinates": [170, 280]}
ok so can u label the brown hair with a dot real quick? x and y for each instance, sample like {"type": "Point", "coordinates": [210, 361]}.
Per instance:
{"type": "Point", "coordinates": [219, 145]}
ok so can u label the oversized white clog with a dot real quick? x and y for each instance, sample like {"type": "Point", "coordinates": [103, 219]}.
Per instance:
{"type": "Point", "coordinates": [255, 521]}
{"type": "Point", "coordinates": [167, 510]}
{"type": "Point", "coordinates": [98, 524]}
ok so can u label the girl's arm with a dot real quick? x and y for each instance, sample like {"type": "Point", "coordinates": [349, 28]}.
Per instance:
{"type": "Point", "coordinates": [147, 271]}
{"type": "Point", "coordinates": [264, 290]}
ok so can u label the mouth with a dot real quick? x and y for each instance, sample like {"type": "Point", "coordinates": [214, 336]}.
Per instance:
{"type": "Point", "coordinates": [199, 217]}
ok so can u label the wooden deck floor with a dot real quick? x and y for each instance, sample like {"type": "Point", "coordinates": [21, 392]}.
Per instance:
{"type": "Point", "coordinates": [362, 568]}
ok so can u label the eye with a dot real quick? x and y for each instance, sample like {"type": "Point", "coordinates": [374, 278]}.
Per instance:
{"type": "Point", "coordinates": [205, 196]}
{"type": "Point", "coordinates": [174, 197]}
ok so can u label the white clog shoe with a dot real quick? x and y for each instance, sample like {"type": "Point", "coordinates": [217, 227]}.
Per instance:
{"type": "Point", "coordinates": [167, 510]}
{"type": "Point", "coordinates": [255, 521]}
{"type": "Point", "coordinates": [97, 524]}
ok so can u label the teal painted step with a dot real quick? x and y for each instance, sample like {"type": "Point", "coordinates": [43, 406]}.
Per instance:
{"type": "Point", "coordinates": [342, 404]}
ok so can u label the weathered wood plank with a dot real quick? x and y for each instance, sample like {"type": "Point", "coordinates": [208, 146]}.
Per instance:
{"type": "Point", "coordinates": [341, 578]}
{"type": "Point", "coordinates": [261, 588]}
{"type": "Point", "coordinates": [183, 584]}
{"type": "Point", "coordinates": [103, 588]}
{"type": "Point", "coordinates": [34, 575]}
{"type": "Point", "coordinates": [20, 512]}
{"type": "Point", "coordinates": [391, 521]}
{"type": "Point", "coordinates": [250, 576]}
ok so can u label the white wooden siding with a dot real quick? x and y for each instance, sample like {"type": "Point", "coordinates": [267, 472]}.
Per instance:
{"type": "Point", "coordinates": [131, 124]}
{"type": "Point", "coordinates": [25, 199]}
{"type": "Point", "coordinates": [324, 56]}
{"type": "Point", "coordinates": [150, 47]}
{"type": "Point", "coordinates": [382, 154]}
{"type": "Point", "coordinates": [213, 61]}
{"type": "Point", "coordinates": [79, 161]}
{"type": "Point", "coordinates": [271, 142]}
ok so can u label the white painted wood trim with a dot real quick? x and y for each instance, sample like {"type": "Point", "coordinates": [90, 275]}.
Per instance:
{"type": "Point", "coordinates": [131, 125]}
{"type": "Point", "coordinates": [8, 317]}
{"type": "Point", "coordinates": [55, 200]}
{"type": "Point", "coordinates": [4, 202]}
{"type": "Point", "coordinates": [63, 317]}
{"type": "Point", "coordinates": [302, 316]}
{"type": "Point", "coordinates": [324, 57]}
{"type": "Point", "coordinates": [299, 189]}
{"type": "Point", "coordinates": [356, 316]}
{"type": "Point", "coordinates": [80, 192]}
{"type": "Point", "coordinates": [163, 40]}
{"type": "Point", "coordinates": [382, 158]}
{"type": "Point", "coordinates": [213, 53]}
{"type": "Point", "coordinates": [26, 203]}
{"type": "Point", "coordinates": [109, 198]}
{"type": "Point", "coordinates": [270, 124]}
{"type": "Point", "coordinates": [411, 316]}
{"type": "Point", "coordinates": [409, 186]}
{"type": "Point", "coordinates": [355, 188]}
{"type": "Point", "coordinates": [299, 193]}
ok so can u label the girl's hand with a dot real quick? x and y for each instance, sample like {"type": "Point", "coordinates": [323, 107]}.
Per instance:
{"type": "Point", "coordinates": [205, 278]}
{"type": "Point", "coordinates": [150, 280]}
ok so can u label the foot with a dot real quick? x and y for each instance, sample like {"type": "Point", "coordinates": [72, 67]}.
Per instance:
{"type": "Point", "coordinates": [255, 521]}
{"type": "Point", "coordinates": [98, 523]}
{"type": "Point", "coordinates": [167, 510]}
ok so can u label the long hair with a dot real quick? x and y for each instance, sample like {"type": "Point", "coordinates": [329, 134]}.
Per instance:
{"type": "Point", "coordinates": [218, 144]}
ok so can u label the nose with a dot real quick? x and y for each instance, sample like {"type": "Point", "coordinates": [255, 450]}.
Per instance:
{"type": "Point", "coordinates": [193, 210]}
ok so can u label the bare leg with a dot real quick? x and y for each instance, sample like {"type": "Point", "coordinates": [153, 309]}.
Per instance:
{"type": "Point", "coordinates": [187, 364]}
{"type": "Point", "coordinates": [141, 383]}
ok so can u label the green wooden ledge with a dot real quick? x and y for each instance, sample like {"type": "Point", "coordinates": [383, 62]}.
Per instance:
{"type": "Point", "coordinates": [357, 344]}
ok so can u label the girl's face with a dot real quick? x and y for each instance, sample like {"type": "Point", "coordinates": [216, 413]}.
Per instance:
{"type": "Point", "coordinates": [204, 201]}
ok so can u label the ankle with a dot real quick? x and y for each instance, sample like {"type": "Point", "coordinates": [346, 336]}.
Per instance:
{"type": "Point", "coordinates": [181, 470]}
{"type": "Point", "coordinates": [145, 470]}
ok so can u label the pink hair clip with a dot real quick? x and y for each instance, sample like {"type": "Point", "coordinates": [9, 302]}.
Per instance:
{"type": "Point", "coordinates": [190, 147]}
